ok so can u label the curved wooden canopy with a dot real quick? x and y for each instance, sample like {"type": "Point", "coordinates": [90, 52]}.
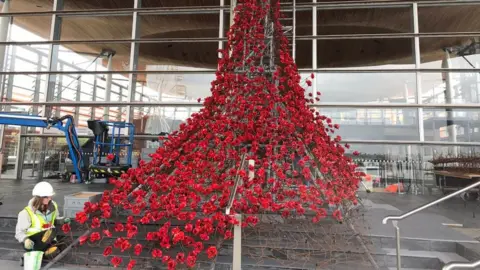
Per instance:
{"type": "Point", "coordinates": [331, 53]}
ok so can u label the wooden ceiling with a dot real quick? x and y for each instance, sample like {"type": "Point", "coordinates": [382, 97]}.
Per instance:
{"type": "Point", "coordinates": [331, 53]}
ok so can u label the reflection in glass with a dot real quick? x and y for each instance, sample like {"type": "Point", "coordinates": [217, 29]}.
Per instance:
{"type": "Point", "coordinates": [452, 125]}
{"type": "Point", "coordinates": [374, 124]}
{"type": "Point", "coordinates": [366, 87]}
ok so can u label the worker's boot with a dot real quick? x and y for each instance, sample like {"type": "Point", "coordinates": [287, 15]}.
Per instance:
{"type": "Point", "coordinates": [32, 260]}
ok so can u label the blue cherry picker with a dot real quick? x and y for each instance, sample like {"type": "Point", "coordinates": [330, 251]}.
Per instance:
{"type": "Point", "coordinates": [108, 141]}
{"type": "Point", "coordinates": [65, 124]}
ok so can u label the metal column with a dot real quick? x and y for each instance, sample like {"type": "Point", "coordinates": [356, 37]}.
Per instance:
{"type": "Point", "coordinates": [294, 30]}
{"type": "Point", "coordinates": [418, 84]}
{"type": "Point", "coordinates": [94, 94]}
{"type": "Point", "coordinates": [5, 22]}
{"type": "Point", "coordinates": [134, 51]}
{"type": "Point", "coordinates": [221, 27]}
{"type": "Point", "coordinates": [418, 76]}
{"type": "Point", "coordinates": [55, 33]}
{"type": "Point", "coordinates": [60, 90]}
{"type": "Point", "coordinates": [108, 86]}
{"type": "Point", "coordinates": [78, 98]}
{"type": "Point", "coordinates": [4, 27]}
{"type": "Point", "coordinates": [233, 5]}
{"type": "Point", "coordinates": [314, 48]}
{"type": "Point", "coordinates": [449, 95]}
{"type": "Point", "coordinates": [120, 98]}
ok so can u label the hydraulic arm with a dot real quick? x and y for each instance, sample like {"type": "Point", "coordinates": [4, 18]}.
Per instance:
{"type": "Point", "coordinates": [64, 124]}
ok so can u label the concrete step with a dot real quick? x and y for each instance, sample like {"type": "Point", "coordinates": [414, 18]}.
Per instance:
{"type": "Point", "coordinates": [275, 255]}
{"type": "Point", "coordinates": [278, 244]}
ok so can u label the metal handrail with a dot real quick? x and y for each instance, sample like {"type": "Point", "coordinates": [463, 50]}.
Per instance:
{"type": "Point", "coordinates": [455, 265]}
{"type": "Point", "coordinates": [395, 219]}
{"type": "Point", "coordinates": [430, 204]}
{"type": "Point", "coordinates": [235, 187]}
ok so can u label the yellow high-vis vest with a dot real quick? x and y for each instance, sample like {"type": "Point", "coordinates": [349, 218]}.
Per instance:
{"type": "Point", "coordinates": [38, 221]}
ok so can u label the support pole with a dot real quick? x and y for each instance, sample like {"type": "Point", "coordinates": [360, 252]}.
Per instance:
{"type": "Point", "coordinates": [314, 48]}
{"type": "Point", "coordinates": [449, 95]}
{"type": "Point", "coordinates": [418, 83]}
{"type": "Point", "coordinates": [78, 98]}
{"type": "Point", "coordinates": [221, 27]}
{"type": "Point", "coordinates": [418, 77]}
{"type": "Point", "coordinates": [397, 240]}
{"type": "Point", "coordinates": [233, 5]}
{"type": "Point", "coordinates": [120, 98]}
{"type": "Point", "coordinates": [93, 110]}
{"type": "Point", "coordinates": [4, 27]}
{"type": "Point", "coordinates": [237, 244]}
{"type": "Point", "coordinates": [108, 87]}
{"type": "Point", "coordinates": [60, 90]}
{"type": "Point", "coordinates": [134, 51]}
{"type": "Point", "coordinates": [294, 29]}
{"type": "Point", "coordinates": [55, 34]}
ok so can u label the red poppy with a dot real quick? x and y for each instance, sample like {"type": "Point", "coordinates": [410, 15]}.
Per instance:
{"type": "Point", "coordinates": [82, 239]}
{"type": "Point", "coordinates": [107, 251]}
{"type": "Point", "coordinates": [191, 260]}
{"type": "Point", "coordinates": [94, 237]}
{"type": "Point", "coordinates": [107, 233]}
{"type": "Point", "coordinates": [110, 157]}
{"type": "Point", "coordinates": [137, 249]}
{"type": "Point", "coordinates": [157, 253]}
{"type": "Point", "coordinates": [66, 228]}
{"type": "Point", "coordinates": [95, 223]}
{"type": "Point", "coordinates": [131, 264]}
{"type": "Point", "coordinates": [212, 252]}
{"type": "Point", "coordinates": [116, 261]}
{"type": "Point", "coordinates": [81, 217]}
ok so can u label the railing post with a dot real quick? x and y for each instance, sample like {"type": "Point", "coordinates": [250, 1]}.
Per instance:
{"type": "Point", "coordinates": [397, 238]}
{"type": "Point", "coordinates": [237, 244]}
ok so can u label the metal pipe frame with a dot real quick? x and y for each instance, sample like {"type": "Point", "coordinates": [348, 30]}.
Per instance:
{"type": "Point", "coordinates": [108, 86]}
{"type": "Point", "coordinates": [134, 53]}
{"type": "Point", "coordinates": [367, 142]}
{"type": "Point", "coordinates": [314, 48]}
{"type": "Point", "coordinates": [215, 9]}
{"type": "Point", "coordinates": [221, 28]}
{"type": "Point", "coordinates": [223, 39]}
{"type": "Point", "coordinates": [418, 75]}
{"type": "Point", "coordinates": [348, 105]}
{"type": "Point", "coordinates": [212, 71]}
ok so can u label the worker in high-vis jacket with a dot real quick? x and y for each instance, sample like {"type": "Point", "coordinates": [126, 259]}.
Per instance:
{"type": "Point", "coordinates": [36, 226]}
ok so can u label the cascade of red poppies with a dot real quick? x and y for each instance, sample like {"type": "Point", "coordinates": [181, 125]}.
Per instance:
{"type": "Point", "coordinates": [258, 111]}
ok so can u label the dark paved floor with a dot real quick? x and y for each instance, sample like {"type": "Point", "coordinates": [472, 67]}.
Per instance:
{"type": "Point", "coordinates": [455, 209]}
{"type": "Point", "coordinates": [427, 225]}
{"type": "Point", "coordinates": [15, 194]}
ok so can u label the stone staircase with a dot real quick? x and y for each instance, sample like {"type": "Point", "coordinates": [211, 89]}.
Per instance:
{"type": "Point", "coordinates": [278, 244]}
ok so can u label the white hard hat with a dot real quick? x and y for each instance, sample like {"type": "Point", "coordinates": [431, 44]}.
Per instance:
{"type": "Point", "coordinates": [43, 189]}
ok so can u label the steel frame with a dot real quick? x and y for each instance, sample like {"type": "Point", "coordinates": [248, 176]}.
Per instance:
{"type": "Point", "coordinates": [350, 105]}
{"type": "Point", "coordinates": [223, 39]}
{"type": "Point", "coordinates": [216, 9]}
{"type": "Point", "coordinates": [137, 11]}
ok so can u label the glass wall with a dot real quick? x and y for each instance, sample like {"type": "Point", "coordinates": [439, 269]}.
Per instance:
{"type": "Point", "coordinates": [401, 82]}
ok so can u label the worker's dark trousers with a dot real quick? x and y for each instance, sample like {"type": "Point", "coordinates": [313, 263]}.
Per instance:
{"type": "Point", "coordinates": [43, 241]}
